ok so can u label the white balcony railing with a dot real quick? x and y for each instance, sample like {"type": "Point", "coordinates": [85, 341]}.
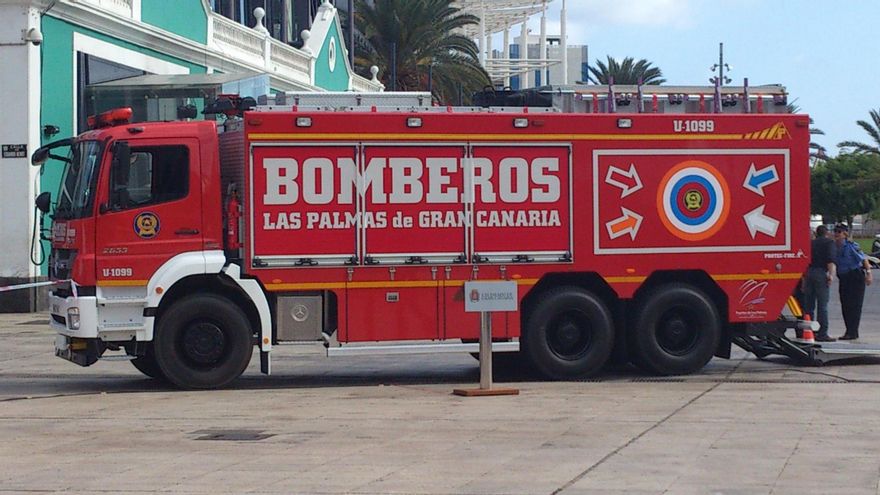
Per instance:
{"type": "Point", "coordinates": [288, 60]}
{"type": "Point", "coordinates": [238, 41]}
{"type": "Point", "coordinates": [254, 47]}
{"type": "Point", "coordinates": [125, 8]}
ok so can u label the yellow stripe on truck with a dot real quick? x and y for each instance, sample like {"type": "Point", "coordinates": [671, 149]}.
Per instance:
{"type": "Point", "coordinates": [262, 136]}
{"type": "Point", "coordinates": [403, 284]}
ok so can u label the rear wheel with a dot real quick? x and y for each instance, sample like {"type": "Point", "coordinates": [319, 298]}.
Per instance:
{"type": "Point", "coordinates": [676, 330]}
{"type": "Point", "coordinates": [203, 341]}
{"type": "Point", "coordinates": [569, 333]}
{"type": "Point", "coordinates": [502, 360]}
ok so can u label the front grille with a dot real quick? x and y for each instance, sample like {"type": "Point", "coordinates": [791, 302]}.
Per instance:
{"type": "Point", "coordinates": [61, 263]}
{"type": "Point", "coordinates": [81, 291]}
{"type": "Point", "coordinates": [60, 319]}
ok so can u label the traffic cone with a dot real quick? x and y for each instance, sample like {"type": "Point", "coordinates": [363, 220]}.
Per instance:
{"type": "Point", "coordinates": [808, 337]}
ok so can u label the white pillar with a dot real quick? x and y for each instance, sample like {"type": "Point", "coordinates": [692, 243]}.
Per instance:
{"type": "Point", "coordinates": [542, 44]}
{"type": "Point", "coordinates": [489, 47]}
{"type": "Point", "coordinates": [21, 86]}
{"type": "Point", "coordinates": [525, 77]}
{"type": "Point", "coordinates": [506, 56]}
{"type": "Point", "coordinates": [563, 42]}
{"type": "Point", "coordinates": [482, 34]}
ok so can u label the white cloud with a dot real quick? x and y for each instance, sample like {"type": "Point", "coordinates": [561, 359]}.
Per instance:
{"type": "Point", "coordinates": [586, 16]}
{"type": "Point", "coordinates": [672, 13]}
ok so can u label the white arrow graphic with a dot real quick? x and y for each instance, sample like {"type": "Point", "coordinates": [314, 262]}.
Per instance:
{"type": "Point", "coordinates": [631, 181]}
{"type": "Point", "coordinates": [757, 221]}
{"type": "Point", "coordinates": [757, 180]}
{"type": "Point", "coordinates": [629, 223]}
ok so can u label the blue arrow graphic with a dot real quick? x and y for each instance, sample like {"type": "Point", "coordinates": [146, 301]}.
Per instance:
{"type": "Point", "coordinates": [756, 180]}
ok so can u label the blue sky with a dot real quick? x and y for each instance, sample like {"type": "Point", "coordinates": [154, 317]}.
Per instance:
{"type": "Point", "coordinates": [826, 53]}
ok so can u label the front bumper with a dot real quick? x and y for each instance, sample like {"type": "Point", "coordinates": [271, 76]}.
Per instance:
{"type": "Point", "coordinates": [65, 311]}
{"type": "Point", "coordinates": [84, 352]}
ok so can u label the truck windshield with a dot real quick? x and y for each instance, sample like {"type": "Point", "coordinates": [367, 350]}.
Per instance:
{"type": "Point", "coordinates": [78, 184]}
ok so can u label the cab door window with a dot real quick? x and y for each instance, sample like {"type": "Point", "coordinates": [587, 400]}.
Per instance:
{"type": "Point", "coordinates": [153, 175]}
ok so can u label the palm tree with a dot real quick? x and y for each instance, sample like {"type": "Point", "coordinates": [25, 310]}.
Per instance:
{"type": "Point", "coordinates": [425, 37]}
{"type": "Point", "coordinates": [817, 151]}
{"type": "Point", "coordinates": [627, 72]}
{"type": "Point", "coordinates": [872, 130]}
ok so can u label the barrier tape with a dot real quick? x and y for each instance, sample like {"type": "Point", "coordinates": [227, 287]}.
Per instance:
{"type": "Point", "coordinates": [40, 284]}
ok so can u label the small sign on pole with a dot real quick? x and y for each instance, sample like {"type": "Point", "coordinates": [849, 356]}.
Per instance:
{"type": "Point", "coordinates": [487, 298]}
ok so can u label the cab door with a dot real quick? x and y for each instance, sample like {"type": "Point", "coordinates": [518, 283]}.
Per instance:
{"type": "Point", "coordinates": [150, 210]}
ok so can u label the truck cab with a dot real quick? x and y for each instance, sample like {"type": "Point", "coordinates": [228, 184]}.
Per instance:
{"type": "Point", "coordinates": [139, 210]}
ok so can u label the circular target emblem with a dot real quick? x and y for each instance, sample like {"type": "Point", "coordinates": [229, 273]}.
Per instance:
{"type": "Point", "coordinates": [693, 200]}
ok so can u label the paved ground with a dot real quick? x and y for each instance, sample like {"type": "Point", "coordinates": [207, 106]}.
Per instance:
{"type": "Point", "coordinates": [390, 425]}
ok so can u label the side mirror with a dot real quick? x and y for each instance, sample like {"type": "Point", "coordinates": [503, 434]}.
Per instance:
{"type": "Point", "coordinates": [43, 200]}
{"type": "Point", "coordinates": [45, 152]}
{"type": "Point", "coordinates": [40, 156]}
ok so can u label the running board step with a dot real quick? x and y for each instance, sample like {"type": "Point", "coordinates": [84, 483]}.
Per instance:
{"type": "Point", "coordinates": [126, 301]}
{"type": "Point", "coordinates": [365, 350]}
{"type": "Point", "coordinates": [764, 339]}
{"type": "Point", "coordinates": [836, 351]}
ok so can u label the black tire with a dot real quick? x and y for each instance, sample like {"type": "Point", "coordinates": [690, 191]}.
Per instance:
{"type": "Point", "coordinates": [569, 333]}
{"type": "Point", "coordinates": [147, 364]}
{"type": "Point", "coordinates": [504, 360]}
{"type": "Point", "coordinates": [676, 331]}
{"type": "Point", "coordinates": [203, 341]}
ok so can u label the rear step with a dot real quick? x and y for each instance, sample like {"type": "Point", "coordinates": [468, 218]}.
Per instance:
{"type": "Point", "coordinates": [764, 339]}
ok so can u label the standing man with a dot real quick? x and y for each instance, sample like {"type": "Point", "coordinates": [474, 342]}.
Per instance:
{"type": "Point", "coordinates": [854, 273]}
{"type": "Point", "coordinates": [817, 282]}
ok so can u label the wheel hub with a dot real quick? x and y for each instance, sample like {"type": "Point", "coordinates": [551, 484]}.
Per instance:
{"type": "Point", "coordinates": [570, 337]}
{"type": "Point", "coordinates": [204, 343]}
{"type": "Point", "coordinates": [676, 335]}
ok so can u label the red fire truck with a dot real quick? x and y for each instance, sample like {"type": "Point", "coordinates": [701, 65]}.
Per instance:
{"type": "Point", "coordinates": [663, 236]}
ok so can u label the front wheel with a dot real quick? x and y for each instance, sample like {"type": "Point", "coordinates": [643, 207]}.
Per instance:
{"type": "Point", "coordinates": [147, 364]}
{"type": "Point", "coordinates": [677, 330]}
{"type": "Point", "coordinates": [203, 341]}
{"type": "Point", "coordinates": [569, 333]}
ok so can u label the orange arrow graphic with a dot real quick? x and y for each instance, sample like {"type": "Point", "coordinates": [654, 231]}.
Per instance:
{"type": "Point", "coordinates": [628, 223]}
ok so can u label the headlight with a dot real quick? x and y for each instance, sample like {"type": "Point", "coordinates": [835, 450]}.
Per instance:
{"type": "Point", "coordinates": [73, 318]}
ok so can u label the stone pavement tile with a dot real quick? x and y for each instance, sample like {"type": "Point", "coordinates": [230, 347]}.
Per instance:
{"type": "Point", "coordinates": [155, 475]}
{"type": "Point", "coordinates": [531, 484]}
{"type": "Point", "coordinates": [823, 490]}
{"type": "Point", "coordinates": [230, 480]}
{"type": "Point", "coordinates": [332, 478]}
{"type": "Point", "coordinates": [291, 460]}
{"type": "Point", "coordinates": [730, 469]}
{"type": "Point", "coordinates": [858, 473]}
{"type": "Point", "coordinates": [601, 491]}
{"type": "Point", "coordinates": [435, 477]}
{"type": "Point", "coordinates": [146, 490]}
{"type": "Point", "coordinates": [718, 487]}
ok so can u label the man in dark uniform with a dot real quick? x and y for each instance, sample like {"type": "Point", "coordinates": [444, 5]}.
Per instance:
{"type": "Point", "coordinates": [817, 282]}
{"type": "Point", "coordinates": [854, 273]}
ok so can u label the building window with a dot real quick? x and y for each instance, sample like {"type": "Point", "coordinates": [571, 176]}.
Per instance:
{"type": "Point", "coordinates": [95, 70]}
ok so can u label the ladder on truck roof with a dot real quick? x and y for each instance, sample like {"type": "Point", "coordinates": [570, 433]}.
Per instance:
{"type": "Point", "coordinates": [615, 98]}
{"type": "Point", "coordinates": [621, 98]}
{"type": "Point", "coordinates": [343, 100]}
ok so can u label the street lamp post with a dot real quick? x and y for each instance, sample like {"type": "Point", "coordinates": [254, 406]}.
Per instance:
{"type": "Point", "coordinates": [720, 79]}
